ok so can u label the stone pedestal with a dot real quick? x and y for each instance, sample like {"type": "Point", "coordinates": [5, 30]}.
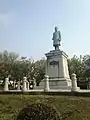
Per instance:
{"type": "Point", "coordinates": [27, 85]}
{"type": "Point", "coordinates": [24, 84]}
{"type": "Point", "coordinates": [46, 83]}
{"type": "Point", "coordinates": [74, 83]}
{"type": "Point", "coordinates": [6, 84]}
{"type": "Point", "coordinates": [14, 84]}
{"type": "Point", "coordinates": [57, 70]}
{"type": "Point", "coordinates": [18, 88]}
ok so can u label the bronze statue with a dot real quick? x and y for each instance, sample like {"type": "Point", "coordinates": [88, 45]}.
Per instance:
{"type": "Point", "coordinates": [56, 39]}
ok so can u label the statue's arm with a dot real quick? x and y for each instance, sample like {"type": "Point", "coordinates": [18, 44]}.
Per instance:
{"type": "Point", "coordinates": [59, 36]}
{"type": "Point", "coordinates": [53, 37]}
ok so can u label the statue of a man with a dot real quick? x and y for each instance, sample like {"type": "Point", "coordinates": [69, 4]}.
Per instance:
{"type": "Point", "coordinates": [56, 38]}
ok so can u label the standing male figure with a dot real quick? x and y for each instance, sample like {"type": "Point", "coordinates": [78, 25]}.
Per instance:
{"type": "Point", "coordinates": [56, 39]}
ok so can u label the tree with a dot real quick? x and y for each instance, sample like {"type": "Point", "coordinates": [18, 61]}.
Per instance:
{"type": "Point", "coordinates": [6, 62]}
{"type": "Point", "coordinates": [39, 70]}
{"type": "Point", "coordinates": [21, 68]}
{"type": "Point", "coordinates": [76, 65]}
{"type": "Point", "coordinates": [86, 60]}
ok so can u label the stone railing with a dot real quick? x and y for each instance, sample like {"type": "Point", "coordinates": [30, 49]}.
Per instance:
{"type": "Point", "coordinates": [25, 84]}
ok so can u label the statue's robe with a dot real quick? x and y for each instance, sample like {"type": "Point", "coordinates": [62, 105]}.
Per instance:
{"type": "Point", "coordinates": [56, 38]}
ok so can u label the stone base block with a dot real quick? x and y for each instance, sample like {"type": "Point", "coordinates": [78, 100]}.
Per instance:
{"type": "Point", "coordinates": [41, 85]}
{"type": "Point", "coordinates": [60, 83]}
{"type": "Point", "coordinates": [75, 89]}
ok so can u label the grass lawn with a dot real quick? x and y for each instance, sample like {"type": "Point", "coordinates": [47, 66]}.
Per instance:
{"type": "Point", "coordinates": [70, 108]}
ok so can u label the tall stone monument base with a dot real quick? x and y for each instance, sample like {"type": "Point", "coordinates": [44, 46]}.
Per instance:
{"type": "Point", "coordinates": [57, 70]}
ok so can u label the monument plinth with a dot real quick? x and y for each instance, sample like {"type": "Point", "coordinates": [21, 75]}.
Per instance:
{"type": "Point", "coordinates": [57, 66]}
{"type": "Point", "coordinates": [57, 70]}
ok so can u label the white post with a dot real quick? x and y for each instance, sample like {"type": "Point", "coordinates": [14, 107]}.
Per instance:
{"type": "Point", "coordinates": [18, 88]}
{"type": "Point", "coordinates": [27, 85]}
{"type": "Point", "coordinates": [24, 84]}
{"type": "Point", "coordinates": [14, 82]}
{"type": "Point", "coordinates": [34, 81]}
{"type": "Point", "coordinates": [74, 83]}
{"type": "Point", "coordinates": [46, 83]}
{"type": "Point", "coordinates": [6, 84]}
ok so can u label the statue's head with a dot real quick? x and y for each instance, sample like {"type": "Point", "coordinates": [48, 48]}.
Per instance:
{"type": "Point", "coordinates": [56, 29]}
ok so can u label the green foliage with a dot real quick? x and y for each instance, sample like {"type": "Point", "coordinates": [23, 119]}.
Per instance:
{"type": "Point", "coordinates": [39, 71]}
{"type": "Point", "coordinates": [11, 65]}
{"type": "Point", "coordinates": [86, 60]}
{"type": "Point", "coordinates": [38, 111]}
{"type": "Point", "coordinates": [80, 66]}
{"type": "Point", "coordinates": [68, 108]}
{"type": "Point", "coordinates": [76, 65]}
{"type": "Point", "coordinates": [16, 68]}
{"type": "Point", "coordinates": [20, 69]}
{"type": "Point", "coordinates": [6, 62]}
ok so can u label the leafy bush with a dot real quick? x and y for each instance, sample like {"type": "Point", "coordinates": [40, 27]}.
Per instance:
{"type": "Point", "coordinates": [38, 111]}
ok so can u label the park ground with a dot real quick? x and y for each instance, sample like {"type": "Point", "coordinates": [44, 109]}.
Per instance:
{"type": "Point", "coordinates": [70, 107]}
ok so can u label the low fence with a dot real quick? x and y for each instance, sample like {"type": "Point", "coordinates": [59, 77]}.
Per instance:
{"type": "Point", "coordinates": [24, 87]}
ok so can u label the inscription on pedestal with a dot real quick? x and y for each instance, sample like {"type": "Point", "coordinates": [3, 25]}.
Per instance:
{"type": "Point", "coordinates": [54, 63]}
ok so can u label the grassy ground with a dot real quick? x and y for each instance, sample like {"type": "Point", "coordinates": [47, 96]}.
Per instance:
{"type": "Point", "coordinates": [70, 108]}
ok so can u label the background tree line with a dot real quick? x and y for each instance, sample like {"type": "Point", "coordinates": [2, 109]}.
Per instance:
{"type": "Point", "coordinates": [14, 67]}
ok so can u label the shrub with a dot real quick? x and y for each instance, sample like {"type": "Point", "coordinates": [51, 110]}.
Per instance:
{"type": "Point", "coordinates": [38, 111]}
